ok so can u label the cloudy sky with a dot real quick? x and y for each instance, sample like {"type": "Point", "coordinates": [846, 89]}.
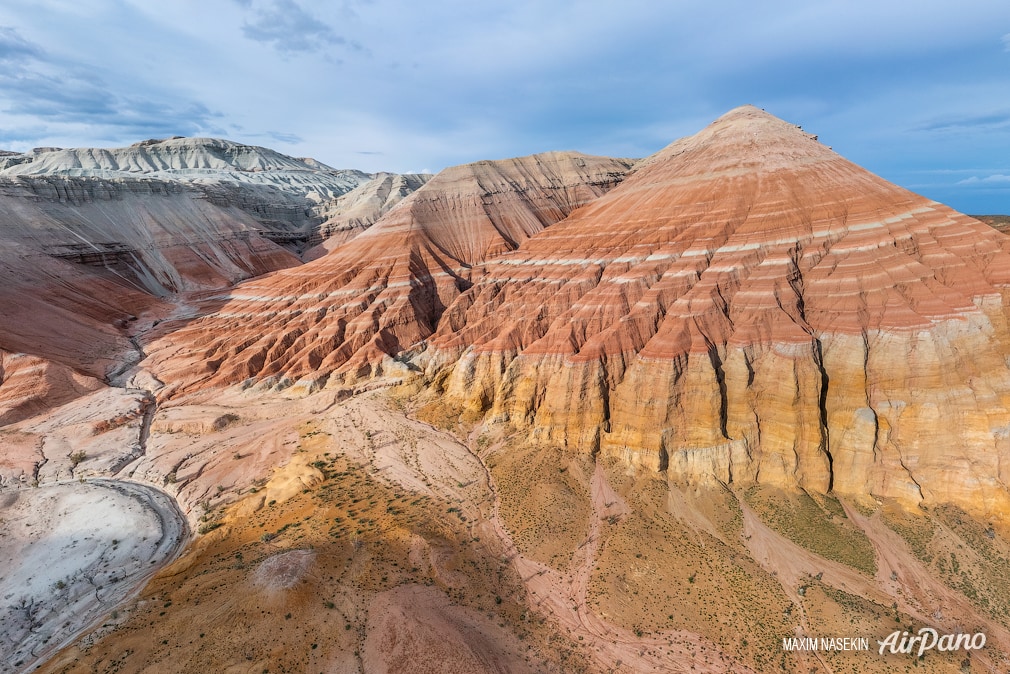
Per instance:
{"type": "Point", "coordinates": [917, 92]}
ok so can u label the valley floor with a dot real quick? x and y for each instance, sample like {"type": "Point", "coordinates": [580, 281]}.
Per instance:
{"type": "Point", "coordinates": [338, 533]}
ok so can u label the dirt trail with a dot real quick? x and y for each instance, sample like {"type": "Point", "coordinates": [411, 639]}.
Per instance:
{"type": "Point", "coordinates": [791, 563]}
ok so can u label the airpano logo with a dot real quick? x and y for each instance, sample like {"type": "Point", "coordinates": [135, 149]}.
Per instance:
{"type": "Point", "coordinates": [928, 639]}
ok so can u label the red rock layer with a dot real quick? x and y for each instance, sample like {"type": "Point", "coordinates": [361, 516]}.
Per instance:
{"type": "Point", "coordinates": [61, 330]}
{"type": "Point", "coordinates": [65, 313]}
{"type": "Point", "coordinates": [79, 257]}
{"type": "Point", "coordinates": [748, 306]}
{"type": "Point", "coordinates": [385, 290]}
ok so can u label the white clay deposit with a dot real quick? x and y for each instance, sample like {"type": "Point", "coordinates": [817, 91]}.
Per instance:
{"type": "Point", "coordinates": [70, 553]}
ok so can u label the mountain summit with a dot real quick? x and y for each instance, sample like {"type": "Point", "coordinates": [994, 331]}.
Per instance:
{"type": "Point", "coordinates": [746, 307]}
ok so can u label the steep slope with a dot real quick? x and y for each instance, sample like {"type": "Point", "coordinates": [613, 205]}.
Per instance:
{"type": "Point", "coordinates": [156, 235]}
{"type": "Point", "coordinates": [64, 312]}
{"type": "Point", "coordinates": [62, 330]}
{"type": "Point", "coordinates": [749, 307]}
{"type": "Point", "coordinates": [82, 255]}
{"type": "Point", "coordinates": [385, 290]}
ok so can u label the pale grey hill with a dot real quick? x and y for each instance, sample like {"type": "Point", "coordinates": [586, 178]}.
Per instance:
{"type": "Point", "coordinates": [290, 198]}
{"type": "Point", "coordinates": [171, 154]}
{"type": "Point", "coordinates": [191, 160]}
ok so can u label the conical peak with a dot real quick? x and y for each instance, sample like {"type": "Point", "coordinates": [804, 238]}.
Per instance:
{"type": "Point", "coordinates": [749, 114]}
{"type": "Point", "coordinates": [754, 123]}
{"type": "Point", "coordinates": [745, 137]}
{"type": "Point", "coordinates": [765, 128]}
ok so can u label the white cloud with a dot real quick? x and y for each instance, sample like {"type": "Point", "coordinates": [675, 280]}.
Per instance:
{"type": "Point", "coordinates": [38, 85]}
{"type": "Point", "coordinates": [994, 179]}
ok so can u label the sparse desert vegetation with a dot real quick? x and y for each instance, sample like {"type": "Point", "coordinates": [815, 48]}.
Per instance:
{"type": "Point", "coordinates": [544, 500]}
{"type": "Point", "coordinates": [659, 575]}
{"type": "Point", "coordinates": [817, 522]}
{"type": "Point", "coordinates": [969, 556]}
{"type": "Point", "coordinates": [562, 562]}
{"type": "Point", "coordinates": [368, 537]}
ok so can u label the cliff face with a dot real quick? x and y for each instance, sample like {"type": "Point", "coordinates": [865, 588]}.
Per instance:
{"type": "Point", "coordinates": [385, 290]}
{"type": "Point", "coordinates": [746, 307]}
{"type": "Point", "coordinates": [155, 235]}
{"type": "Point", "coordinates": [81, 256]}
{"type": "Point", "coordinates": [749, 307]}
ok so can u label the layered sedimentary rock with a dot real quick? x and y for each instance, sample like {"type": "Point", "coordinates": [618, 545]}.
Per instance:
{"type": "Point", "coordinates": [91, 239]}
{"type": "Point", "coordinates": [81, 256]}
{"type": "Point", "coordinates": [195, 160]}
{"type": "Point", "coordinates": [64, 312]}
{"type": "Point", "coordinates": [746, 307]}
{"type": "Point", "coordinates": [750, 307]}
{"type": "Point", "coordinates": [30, 385]}
{"type": "Point", "coordinates": [385, 290]}
{"type": "Point", "coordinates": [62, 330]}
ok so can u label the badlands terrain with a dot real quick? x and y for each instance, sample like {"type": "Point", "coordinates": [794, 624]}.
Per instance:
{"type": "Point", "coordinates": [557, 413]}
